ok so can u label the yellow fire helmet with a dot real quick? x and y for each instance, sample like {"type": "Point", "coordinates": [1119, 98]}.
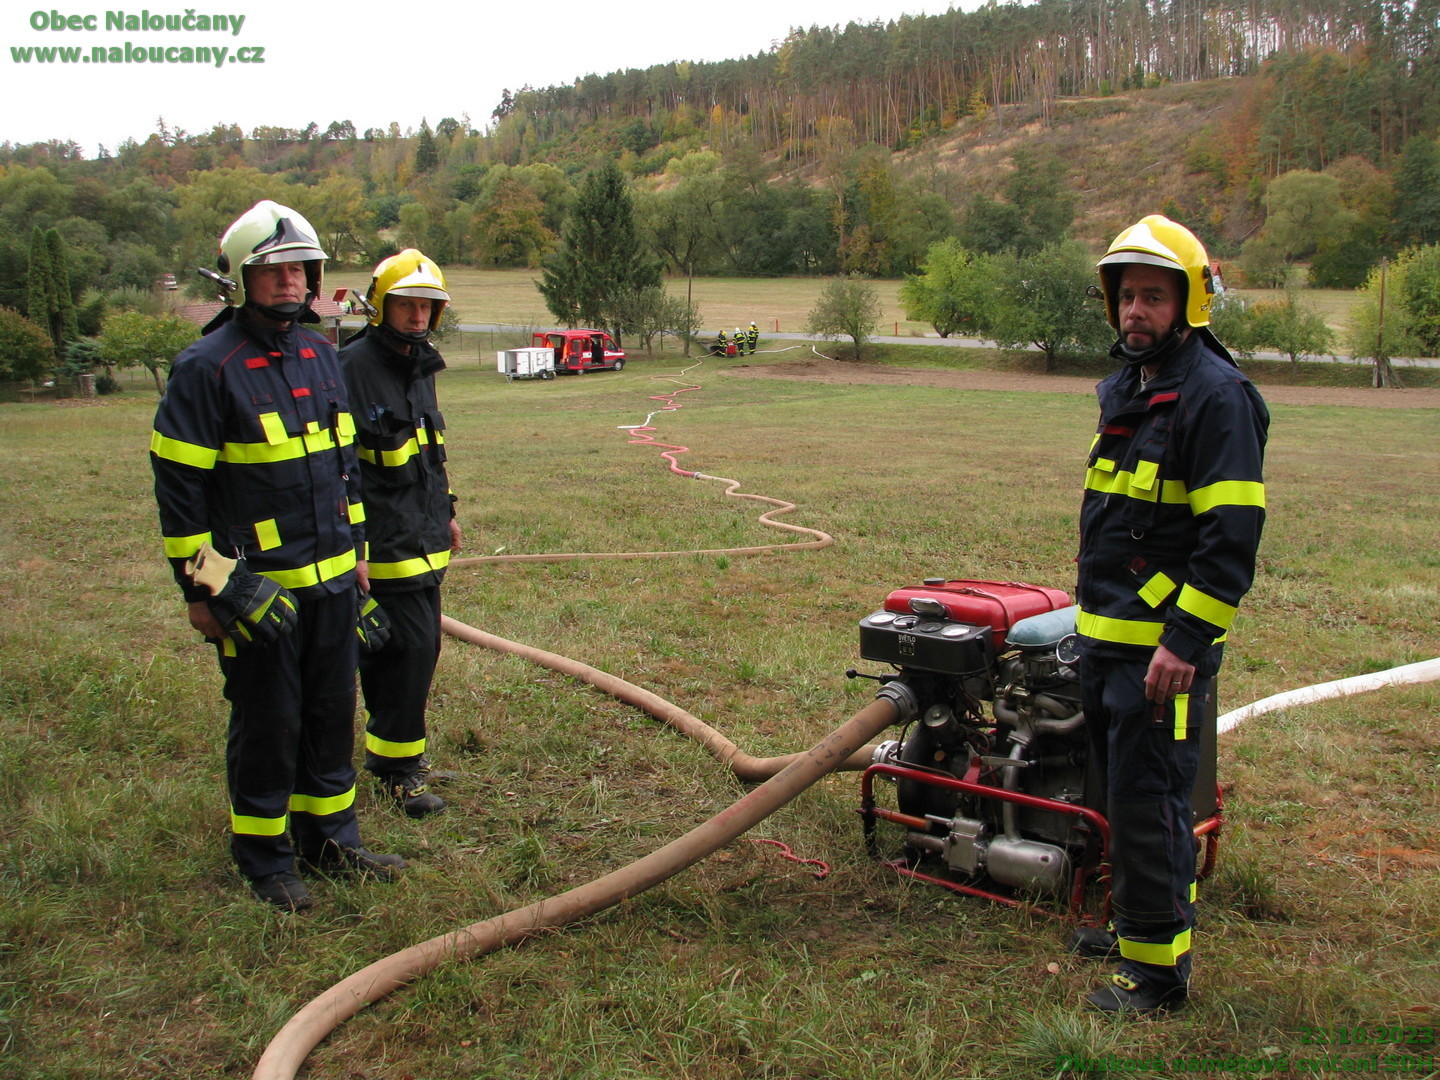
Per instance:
{"type": "Point", "coordinates": [1158, 241]}
{"type": "Point", "coordinates": [407, 274]}
{"type": "Point", "coordinates": [270, 233]}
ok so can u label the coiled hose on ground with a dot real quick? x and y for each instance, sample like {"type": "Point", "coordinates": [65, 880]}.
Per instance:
{"type": "Point", "coordinates": [287, 1051]}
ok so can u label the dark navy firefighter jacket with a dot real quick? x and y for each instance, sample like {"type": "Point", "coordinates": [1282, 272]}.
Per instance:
{"type": "Point", "coordinates": [1173, 507]}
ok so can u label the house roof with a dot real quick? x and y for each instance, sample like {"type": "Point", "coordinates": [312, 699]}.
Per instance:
{"type": "Point", "coordinates": [203, 312]}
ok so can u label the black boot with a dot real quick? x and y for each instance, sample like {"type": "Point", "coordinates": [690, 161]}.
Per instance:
{"type": "Point", "coordinates": [282, 890]}
{"type": "Point", "coordinates": [411, 791]}
{"type": "Point", "coordinates": [337, 861]}
{"type": "Point", "coordinates": [1123, 994]}
{"type": "Point", "coordinates": [1095, 943]}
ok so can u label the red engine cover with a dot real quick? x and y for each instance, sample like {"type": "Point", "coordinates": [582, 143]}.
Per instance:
{"type": "Point", "coordinates": [997, 604]}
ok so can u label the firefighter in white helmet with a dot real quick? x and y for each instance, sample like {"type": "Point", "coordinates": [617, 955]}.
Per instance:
{"type": "Point", "coordinates": [1170, 522]}
{"type": "Point", "coordinates": [257, 485]}
{"type": "Point", "coordinates": [390, 369]}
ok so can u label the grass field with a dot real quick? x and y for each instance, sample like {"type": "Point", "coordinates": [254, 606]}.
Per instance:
{"type": "Point", "coordinates": [775, 304]}
{"type": "Point", "coordinates": [129, 948]}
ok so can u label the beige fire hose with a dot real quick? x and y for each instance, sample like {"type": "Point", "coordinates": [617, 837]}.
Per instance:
{"type": "Point", "coordinates": [287, 1051]}
{"type": "Point", "coordinates": [746, 767]}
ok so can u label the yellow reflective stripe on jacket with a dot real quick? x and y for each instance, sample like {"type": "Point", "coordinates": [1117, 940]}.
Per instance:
{"type": "Point", "coordinates": [357, 513]}
{"type": "Point", "coordinates": [1155, 591]}
{"type": "Point", "coordinates": [319, 805]}
{"type": "Point", "coordinates": [184, 547]}
{"type": "Point", "coordinates": [1182, 717]}
{"type": "Point", "coordinates": [383, 748]}
{"type": "Point", "coordinates": [410, 567]}
{"type": "Point", "coordinates": [192, 454]}
{"type": "Point", "coordinates": [391, 459]}
{"type": "Point", "coordinates": [1147, 952]}
{"type": "Point", "coordinates": [257, 826]}
{"type": "Point", "coordinates": [1228, 493]}
{"type": "Point", "coordinates": [1120, 631]}
{"type": "Point", "coordinates": [305, 576]}
{"type": "Point", "coordinates": [1139, 485]}
{"type": "Point", "coordinates": [1213, 611]}
{"type": "Point", "coordinates": [315, 442]}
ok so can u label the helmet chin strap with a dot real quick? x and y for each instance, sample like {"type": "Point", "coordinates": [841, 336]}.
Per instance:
{"type": "Point", "coordinates": [1156, 354]}
{"type": "Point", "coordinates": [405, 337]}
{"type": "Point", "coordinates": [278, 312]}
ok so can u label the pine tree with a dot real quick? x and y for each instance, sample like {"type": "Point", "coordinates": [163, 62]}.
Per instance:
{"type": "Point", "coordinates": [600, 259]}
{"type": "Point", "coordinates": [427, 158]}
{"type": "Point", "coordinates": [39, 282]}
{"type": "Point", "coordinates": [1417, 193]}
{"type": "Point", "coordinates": [63, 310]}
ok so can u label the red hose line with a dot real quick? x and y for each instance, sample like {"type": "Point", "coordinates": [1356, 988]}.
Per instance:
{"type": "Point", "coordinates": [644, 435]}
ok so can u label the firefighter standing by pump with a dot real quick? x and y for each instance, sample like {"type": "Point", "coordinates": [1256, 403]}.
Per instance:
{"type": "Point", "coordinates": [390, 369]}
{"type": "Point", "coordinates": [752, 338]}
{"type": "Point", "coordinates": [259, 500]}
{"type": "Point", "coordinates": [1170, 523]}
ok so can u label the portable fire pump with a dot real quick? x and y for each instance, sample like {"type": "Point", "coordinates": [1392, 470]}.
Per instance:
{"type": "Point", "coordinates": [1009, 806]}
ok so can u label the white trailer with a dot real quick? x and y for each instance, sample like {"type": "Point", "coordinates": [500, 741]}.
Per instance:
{"type": "Point", "coordinates": [528, 363]}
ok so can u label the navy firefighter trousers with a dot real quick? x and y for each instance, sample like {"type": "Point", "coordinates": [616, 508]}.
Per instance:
{"type": "Point", "coordinates": [1147, 758]}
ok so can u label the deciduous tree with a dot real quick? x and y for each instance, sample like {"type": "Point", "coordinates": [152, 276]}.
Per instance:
{"type": "Point", "coordinates": [1383, 323]}
{"type": "Point", "coordinates": [847, 307]}
{"type": "Point", "coordinates": [1289, 327]}
{"type": "Point", "coordinates": [152, 341]}
{"type": "Point", "coordinates": [953, 291]}
{"type": "Point", "coordinates": [26, 351]}
{"type": "Point", "coordinates": [1042, 300]}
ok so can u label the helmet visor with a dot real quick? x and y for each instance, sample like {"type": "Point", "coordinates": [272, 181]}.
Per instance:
{"type": "Point", "coordinates": [294, 254]}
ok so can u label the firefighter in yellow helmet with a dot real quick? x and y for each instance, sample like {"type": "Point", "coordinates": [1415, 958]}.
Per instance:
{"type": "Point", "coordinates": [1170, 523]}
{"type": "Point", "coordinates": [259, 498]}
{"type": "Point", "coordinates": [390, 370]}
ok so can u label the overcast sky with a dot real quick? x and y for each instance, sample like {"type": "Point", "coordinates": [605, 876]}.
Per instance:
{"type": "Point", "coordinates": [363, 61]}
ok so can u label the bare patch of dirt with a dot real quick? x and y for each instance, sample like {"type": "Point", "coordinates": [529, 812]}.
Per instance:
{"type": "Point", "coordinates": [837, 371]}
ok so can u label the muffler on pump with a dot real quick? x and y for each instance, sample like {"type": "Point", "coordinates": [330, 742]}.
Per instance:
{"type": "Point", "coordinates": [1006, 807]}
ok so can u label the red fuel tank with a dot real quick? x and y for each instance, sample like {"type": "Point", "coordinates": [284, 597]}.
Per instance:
{"type": "Point", "coordinates": [997, 604]}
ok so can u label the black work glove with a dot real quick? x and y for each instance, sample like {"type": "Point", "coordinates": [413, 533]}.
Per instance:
{"type": "Point", "coordinates": [251, 608]}
{"type": "Point", "coordinates": [372, 625]}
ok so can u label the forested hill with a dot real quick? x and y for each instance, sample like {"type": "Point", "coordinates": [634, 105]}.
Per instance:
{"type": "Point", "coordinates": [901, 83]}
{"type": "Point", "coordinates": [840, 150]}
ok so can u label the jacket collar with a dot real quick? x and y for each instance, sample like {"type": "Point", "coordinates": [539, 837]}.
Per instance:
{"type": "Point", "coordinates": [423, 358]}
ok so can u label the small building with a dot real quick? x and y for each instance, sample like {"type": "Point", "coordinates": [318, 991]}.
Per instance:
{"type": "Point", "coordinates": [329, 311]}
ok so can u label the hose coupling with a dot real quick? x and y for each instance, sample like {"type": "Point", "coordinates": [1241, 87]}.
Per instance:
{"type": "Point", "coordinates": [903, 698]}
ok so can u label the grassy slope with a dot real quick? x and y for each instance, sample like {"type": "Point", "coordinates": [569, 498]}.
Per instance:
{"type": "Point", "coordinates": [130, 949]}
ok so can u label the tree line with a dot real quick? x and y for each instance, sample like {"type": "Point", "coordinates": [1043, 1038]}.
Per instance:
{"type": "Point", "coordinates": [896, 84]}
{"type": "Point", "coordinates": [1321, 154]}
